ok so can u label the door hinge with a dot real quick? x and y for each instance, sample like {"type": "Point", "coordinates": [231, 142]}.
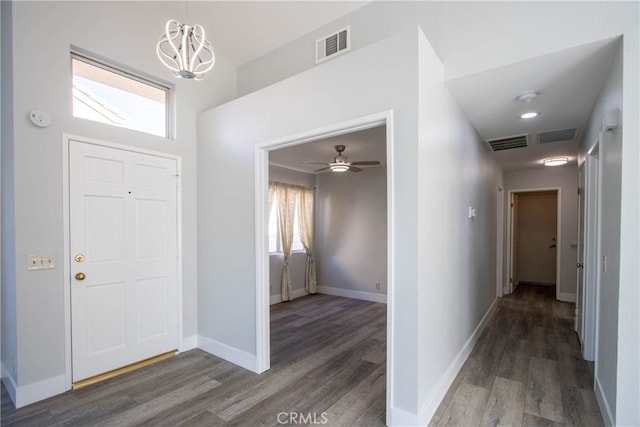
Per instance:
{"type": "Point", "coordinates": [510, 280]}
{"type": "Point", "coordinates": [511, 204]}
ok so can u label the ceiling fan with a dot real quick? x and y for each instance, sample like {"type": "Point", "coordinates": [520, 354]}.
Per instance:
{"type": "Point", "coordinates": [342, 164]}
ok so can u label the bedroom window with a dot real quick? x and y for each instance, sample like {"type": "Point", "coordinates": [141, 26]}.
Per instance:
{"type": "Point", "coordinates": [106, 94]}
{"type": "Point", "coordinates": [275, 240]}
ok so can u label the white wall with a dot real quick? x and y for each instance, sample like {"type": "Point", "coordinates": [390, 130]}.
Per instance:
{"type": "Point", "coordinates": [298, 260]}
{"type": "Point", "coordinates": [351, 237]}
{"type": "Point", "coordinates": [125, 32]}
{"type": "Point", "coordinates": [331, 93]}
{"type": "Point", "coordinates": [457, 256]}
{"type": "Point", "coordinates": [440, 287]}
{"type": "Point", "coordinates": [616, 368]}
{"type": "Point", "coordinates": [565, 178]}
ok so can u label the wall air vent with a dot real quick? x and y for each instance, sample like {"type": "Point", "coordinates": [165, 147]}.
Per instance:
{"type": "Point", "coordinates": [333, 45]}
{"type": "Point", "coordinates": [556, 136]}
{"type": "Point", "coordinates": [508, 143]}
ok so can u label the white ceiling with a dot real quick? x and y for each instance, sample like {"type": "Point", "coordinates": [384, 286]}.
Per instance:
{"type": "Point", "coordinates": [369, 144]}
{"type": "Point", "coordinates": [568, 80]}
{"type": "Point", "coordinates": [245, 30]}
{"type": "Point", "coordinates": [568, 83]}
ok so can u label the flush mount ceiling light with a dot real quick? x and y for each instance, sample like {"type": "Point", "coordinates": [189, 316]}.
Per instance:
{"type": "Point", "coordinates": [530, 115]}
{"type": "Point", "coordinates": [185, 50]}
{"type": "Point", "coordinates": [528, 96]}
{"type": "Point", "coordinates": [555, 161]}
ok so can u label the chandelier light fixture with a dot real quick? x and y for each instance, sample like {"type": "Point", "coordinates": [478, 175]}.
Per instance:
{"type": "Point", "coordinates": [185, 50]}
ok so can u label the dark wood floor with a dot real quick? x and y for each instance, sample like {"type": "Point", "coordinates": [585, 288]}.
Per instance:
{"type": "Point", "coordinates": [327, 364]}
{"type": "Point", "coordinates": [526, 369]}
{"type": "Point", "coordinates": [328, 361]}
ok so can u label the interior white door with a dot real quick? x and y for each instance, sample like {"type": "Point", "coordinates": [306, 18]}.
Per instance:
{"type": "Point", "coordinates": [591, 258]}
{"type": "Point", "coordinates": [123, 242]}
{"type": "Point", "coordinates": [580, 295]}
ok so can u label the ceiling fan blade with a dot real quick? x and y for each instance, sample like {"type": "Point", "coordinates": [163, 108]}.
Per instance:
{"type": "Point", "coordinates": [323, 169]}
{"type": "Point", "coordinates": [354, 169]}
{"type": "Point", "coordinates": [315, 163]}
{"type": "Point", "coordinates": [366, 163]}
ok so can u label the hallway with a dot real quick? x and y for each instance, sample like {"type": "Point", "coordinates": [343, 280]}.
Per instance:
{"type": "Point", "coordinates": [525, 370]}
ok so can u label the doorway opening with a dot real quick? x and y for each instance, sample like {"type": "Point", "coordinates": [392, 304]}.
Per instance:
{"type": "Point", "coordinates": [534, 238]}
{"type": "Point", "coordinates": [263, 282]}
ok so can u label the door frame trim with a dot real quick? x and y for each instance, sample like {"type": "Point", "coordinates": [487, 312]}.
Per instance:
{"type": "Point", "coordinates": [262, 303]}
{"type": "Point", "coordinates": [510, 233]}
{"type": "Point", "coordinates": [66, 229]}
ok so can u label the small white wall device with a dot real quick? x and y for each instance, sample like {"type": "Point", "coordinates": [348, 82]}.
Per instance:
{"type": "Point", "coordinates": [611, 121]}
{"type": "Point", "coordinates": [40, 118]}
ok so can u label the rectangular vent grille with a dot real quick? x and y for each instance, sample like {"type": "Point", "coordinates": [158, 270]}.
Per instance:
{"type": "Point", "coordinates": [508, 143]}
{"type": "Point", "coordinates": [556, 136]}
{"type": "Point", "coordinates": [333, 44]}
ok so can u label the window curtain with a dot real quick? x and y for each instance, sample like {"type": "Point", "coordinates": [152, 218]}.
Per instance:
{"type": "Point", "coordinates": [286, 212]}
{"type": "Point", "coordinates": [306, 236]}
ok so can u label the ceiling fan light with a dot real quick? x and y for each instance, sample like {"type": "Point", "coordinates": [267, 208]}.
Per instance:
{"type": "Point", "coordinates": [555, 161]}
{"type": "Point", "coordinates": [339, 167]}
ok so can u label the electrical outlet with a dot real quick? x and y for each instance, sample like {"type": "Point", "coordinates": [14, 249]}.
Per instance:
{"type": "Point", "coordinates": [377, 286]}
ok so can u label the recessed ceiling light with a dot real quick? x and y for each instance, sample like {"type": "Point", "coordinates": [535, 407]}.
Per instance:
{"type": "Point", "coordinates": [530, 115]}
{"type": "Point", "coordinates": [528, 96]}
{"type": "Point", "coordinates": [555, 161]}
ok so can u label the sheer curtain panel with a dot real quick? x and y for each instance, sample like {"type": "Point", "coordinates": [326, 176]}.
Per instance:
{"type": "Point", "coordinates": [306, 236]}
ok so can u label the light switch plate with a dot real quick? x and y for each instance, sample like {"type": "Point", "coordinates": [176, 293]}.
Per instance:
{"type": "Point", "coordinates": [41, 262]}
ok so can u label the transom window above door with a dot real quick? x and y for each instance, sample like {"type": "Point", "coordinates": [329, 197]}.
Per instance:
{"type": "Point", "coordinates": [107, 94]}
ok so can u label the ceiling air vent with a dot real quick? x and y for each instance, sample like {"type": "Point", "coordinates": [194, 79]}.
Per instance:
{"type": "Point", "coordinates": [517, 141]}
{"type": "Point", "coordinates": [556, 136]}
{"type": "Point", "coordinates": [333, 44]}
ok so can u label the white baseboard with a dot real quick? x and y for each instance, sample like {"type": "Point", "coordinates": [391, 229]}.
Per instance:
{"type": "Point", "coordinates": [295, 293]}
{"type": "Point", "coordinates": [188, 343]}
{"type": "Point", "coordinates": [400, 417]}
{"type": "Point", "coordinates": [9, 383]}
{"type": "Point", "coordinates": [228, 353]}
{"type": "Point", "coordinates": [566, 297]}
{"type": "Point", "coordinates": [348, 293]}
{"type": "Point", "coordinates": [34, 392]}
{"type": "Point", "coordinates": [429, 408]}
{"type": "Point", "coordinates": [605, 409]}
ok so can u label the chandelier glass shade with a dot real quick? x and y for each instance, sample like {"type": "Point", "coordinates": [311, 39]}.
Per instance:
{"type": "Point", "coordinates": [185, 50]}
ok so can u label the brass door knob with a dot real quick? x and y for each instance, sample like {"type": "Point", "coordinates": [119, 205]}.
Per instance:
{"type": "Point", "coordinates": [80, 276]}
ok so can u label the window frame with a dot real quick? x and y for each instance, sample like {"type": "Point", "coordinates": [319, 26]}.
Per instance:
{"type": "Point", "coordinates": [279, 235]}
{"type": "Point", "coordinates": [106, 64]}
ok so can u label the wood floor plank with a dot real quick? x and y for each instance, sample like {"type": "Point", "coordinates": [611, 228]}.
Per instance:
{"type": "Point", "coordinates": [544, 395]}
{"type": "Point", "coordinates": [574, 369]}
{"type": "Point", "coordinates": [466, 407]}
{"type": "Point", "coordinates": [580, 407]}
{"type": "Point", "coordinates": [505, 406]}
{"type": "Point", "coordinates": [515, 360]}
{"type": "Point", "coordinates": [140, 413]}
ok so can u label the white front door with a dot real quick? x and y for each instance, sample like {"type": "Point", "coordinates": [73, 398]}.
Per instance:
{"type": "Point", "coordinates": [123, 243]}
